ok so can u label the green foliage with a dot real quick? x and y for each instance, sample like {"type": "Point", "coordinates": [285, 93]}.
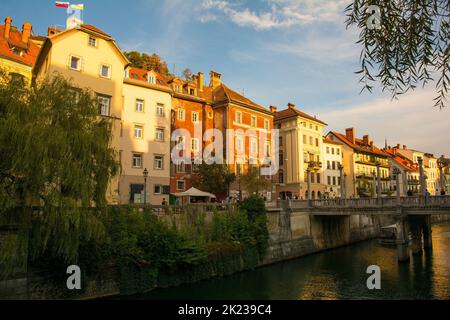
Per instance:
{"type": "Point", "coordinates": [216, 178]}
{"type": "Point", "coordinates": [252, 180]}
{"type": "Point", "coordinates": [411, 44]}
{"type": "Point", "coordinates": [148, 62]}
{"type": "Point", "coordinates": [56, 155]}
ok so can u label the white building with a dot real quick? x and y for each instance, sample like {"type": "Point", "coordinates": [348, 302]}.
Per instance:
{"type": "Point", "coordinates": [332, 159]}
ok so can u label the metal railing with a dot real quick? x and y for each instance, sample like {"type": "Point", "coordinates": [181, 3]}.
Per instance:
{"type": "Point", "coordinates": [432, 201]}
{"type": "Point", "coordinates": [179, 209]}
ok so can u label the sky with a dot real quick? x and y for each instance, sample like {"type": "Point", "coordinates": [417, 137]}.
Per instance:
{"type": "Point", "coordinates": [272, 51]}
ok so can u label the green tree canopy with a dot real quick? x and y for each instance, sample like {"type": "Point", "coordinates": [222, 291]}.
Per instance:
{"type": "Point", "coordinates": [148, 62]}
{"type": "Point", "coordinates": [252, 180]}
{"type": "Point", "coordinates": [187, 74]}
{"type": "Point", "coordinates": [405, 44]}
{"type": "Point", "coordinates": [214, 178]}
{"type": "Point", "coordinates": [56, 156]}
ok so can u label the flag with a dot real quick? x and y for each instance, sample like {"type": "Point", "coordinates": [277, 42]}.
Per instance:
{"type": "Point", "coordinates": [60, 4]}
{"type": "Point", "coordinates": [77, 6]}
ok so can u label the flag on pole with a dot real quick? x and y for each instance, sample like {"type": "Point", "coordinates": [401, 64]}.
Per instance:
{"type": "Point", "coordinates": [60, 4]}
{"type": "Point", "coordinates": [77, 6]}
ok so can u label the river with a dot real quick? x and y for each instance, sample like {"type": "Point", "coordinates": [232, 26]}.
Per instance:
{"type": "Point", "coordinates": [335, 274]}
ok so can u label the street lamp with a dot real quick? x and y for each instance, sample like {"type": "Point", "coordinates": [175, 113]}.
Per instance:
{"type": "Point", "coordinates": [441, 164]}
{"type": "Point", "coordinates": [145, 174]}
{"type": "Point", "coordinates": [397, 173]}
{"type": "Point", "coordinates": [341, 174]}
{"type": "Point", "coordinates": [423, 187]}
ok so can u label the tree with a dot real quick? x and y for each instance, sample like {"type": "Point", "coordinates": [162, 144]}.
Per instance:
{"type": "Point", "coordinates": [148, 62]}
{"type": "Point", "coordinates": [405, 44]}
{"type": "Point", "coordinates": [252, 180]}
{"type": "Point", "coordinates": [187, 74]}
{"type": "Point", "coordinates": [214, 178]}
{"type": "Point", "coordinates": [56, 157]}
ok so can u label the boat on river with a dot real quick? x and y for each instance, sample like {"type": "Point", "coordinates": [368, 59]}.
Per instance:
{"type": "Point", "coordinates": [388, 235]}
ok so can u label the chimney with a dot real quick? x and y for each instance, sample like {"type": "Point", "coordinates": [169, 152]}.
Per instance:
{"type": "Point", "coordinates": [350, 134]}
{"type": "Point", "coordinates": [26, 32]}
{"type": "Point", "coordinates": [398, 146]}
{"type": "Point", "coordinates": [8, 22]}
{"type": "Point", "coordinates": [366, 140]}
{"type": "Point", "coordinates": [216, 80]}
{"type": "Point", "coordinates": [200, 81]}
{"type": "Point", "coordinates": [291, 105]}
{"type": "Point", "coordinates": [273, 109]}
{"type": "Point", "coordinates": [404, 147]}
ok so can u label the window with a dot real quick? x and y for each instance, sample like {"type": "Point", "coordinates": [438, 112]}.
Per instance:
{"type": "Point", "coordinates": [92, 42]}
{"type": "Point", "coordinates": [238, 117]}
{"type": "Point", "coordinates": [328, 165]}
{"type": "Point", "coordinates": [254, 121]}
{"type": "Point", "coordinates": [180, 143]}
{"type": "Point", "coordinates": [180, 185]}
{"type": "Point", "coordinates": [158, 162]}
{"type": "Point", "coordinates": [160, 110]}
{"type": "Point", "coordinates": [317, 142]}
{"type": "Point", "coordinates": [194, 144]}
{"type": "Point", "coordinates": [311, 140]}
{"type": "Point", "coordinates": [159, 134]}
{"type": "Point", "coordinates": [158, 189]}
{"type": "Point", "coordinates": [139, 107]}
{"type": "Point", "coordinates": [194, 116]}
{"type": "Point", "coordinates": [181, 114]}
{"type": "Point", "coordinates": [210, 114]}
{"type": "Point", "coordinates": [151, 79]}
{"type": "Point", "coordinates": [137, 160]}
{"type": "Point", "coordinates": [192, 92]}
{"type": "Point", "coordinates": [180, 168]}
{"type": "Point", "coordinates": [239, 144]}
{"type": "Point", "coordinates": [136, 193]}
{"type": "Point", "coordinates": [317, 128]}
{"type": "Point", "coordinates": [280, 141]}
{"type": "Point", "coordinates": [334, 181]}
{"type": "Point", "coordinates": [332, 150]}
{"type": "Point", "coordinates": [333, 165]}
{"type": "Point", "coordinates": [138, 131]}
{"type": "Point", "coordinates": [105, 71]}
{"type": "Point", "coordinates": [280, 176]}
{"type": "Point", "coordinates": [104, 103]}
{"type": "Point", "coordinates": [267, 148]}
{"type": "Point", "coordinates": [328, 150]}
{"type": "Point", "coordinates": [75, 63]}
{"type": "Point", "coordinates": [266, 124]}
{"type": "Point", "coordinates": [318, 178]}
{"type": "Point", "coordinates": [329, 180]}
{"type": "Point", "coordinates": [304, 139]}
{"type": "Point", "coordinates": [253, 146]}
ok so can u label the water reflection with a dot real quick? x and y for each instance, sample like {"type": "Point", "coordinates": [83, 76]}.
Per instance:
{"type": "Point", "coordinates": [336, 274]}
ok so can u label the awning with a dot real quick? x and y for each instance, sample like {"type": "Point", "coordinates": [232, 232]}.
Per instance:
{"type": "Point", "coordinates": [194, 192]}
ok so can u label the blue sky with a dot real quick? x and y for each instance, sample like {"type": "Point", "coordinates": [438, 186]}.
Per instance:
{"type": "Point", "coordinates": [275, 51]}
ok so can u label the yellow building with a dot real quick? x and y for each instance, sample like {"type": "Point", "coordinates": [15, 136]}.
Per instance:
{"type": "Point", "coordinates": [18, 50]}
{"type": "Point", "coordinates": [145, 137]}
{"type": "Point", "coordinates": [301, 146]}
{"type": "Point", "coordinates": [91, 59]}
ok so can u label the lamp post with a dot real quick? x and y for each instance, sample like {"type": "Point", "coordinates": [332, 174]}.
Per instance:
{"type": "Point", "coordinates": [378, 181]}
{"type": "Point", "coordinates": [145, 174]}
{"type": "Point", "coordinates": [422, 177]}
{"type": "Point", "coordinates": [374, 184]}
{"type": "Point", "coordinates": [397, 173]}
{"type": "Point", "coordinates": [441, 163]}
{"type": "Point", "coordinates": [341, 174]}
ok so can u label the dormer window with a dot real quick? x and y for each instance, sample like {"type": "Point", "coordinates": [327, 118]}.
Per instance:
{"type": "Point", "coordinates": [151, 79]}
{"type": "Point", "coordinates": [92, 41]}
{"type": "Point", "coordinates": [18, 52]}
{"type": "Point", "coordinates": [192, 92]}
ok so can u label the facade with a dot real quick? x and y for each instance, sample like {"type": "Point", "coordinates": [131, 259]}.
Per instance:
{"type": "Point", "coordinates": [360, 160]}
{"type": "Point", "coordinates": [90, 59]}
{"type": "Point", "coordinates": [301, 146]}
{"type": "Point", "coordinates": [332, 161]}
{"type": "Point", "coordinates": [410, 175]}
{"type": "Point", "coordinates": [246, 128]}
{"type": "Point", "coordinates": [18, 50]}
{"type": "Point", "coordinates": [430, 167]}
{"type": "Point", "coordinates": [192, 116]}
{"type": "Point", "coordinates": [145, 137]}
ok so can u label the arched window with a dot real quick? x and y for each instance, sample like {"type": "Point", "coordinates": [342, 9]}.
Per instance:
{"type": "Point", "coordinates": [313, 195]}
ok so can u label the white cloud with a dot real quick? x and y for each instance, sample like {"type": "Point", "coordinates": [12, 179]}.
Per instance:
{"type": "Point", "coordinates": [412, 120]}
{"type": "Point", "coordinates": [278, 14]}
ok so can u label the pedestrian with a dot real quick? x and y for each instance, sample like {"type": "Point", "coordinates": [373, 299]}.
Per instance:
{"type": "Point", "coordinates": [437, 192]}
{"type": "Point", "coordinates": [164, 203]}
{"type": "Point", "coordinates": [442, 192]}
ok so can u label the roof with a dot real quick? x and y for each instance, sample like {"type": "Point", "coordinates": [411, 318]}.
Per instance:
{"type": "Point", "coordinates": [141, 74]}
{"type": "Point", "coordinates": [224, 94]}
{"type": "Point", "coordinates": [94, 29]}
{"type": "Point", "coordinates": [402, 161]}
{"type": "Point", "coordinates": [31, 50]}
{"type": "Point", "coordinates": [194, 192]}
{"type": "Point", "coordinates": [359, 145]}
{"type": "Point", "coordinates": [329, 141]}
{"type": "Point", "coordinates": [294, 112]}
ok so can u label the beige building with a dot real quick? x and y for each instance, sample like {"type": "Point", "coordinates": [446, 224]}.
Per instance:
{"type": "Point", "coordinates": [91, 59]}
{"type": "Point", "coordinates": [301, 146]}
{"type": "Point", "coordinates": [145, 137]}
{"type": "Point", "coordinates": [332, 161]}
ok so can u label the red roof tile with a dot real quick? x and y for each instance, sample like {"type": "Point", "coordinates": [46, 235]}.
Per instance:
{"type": "Point", "coordinates": [141, 74]}
{"type": "Point", "coordinates": [294, 112]}
{"type": "Point", "coordinates": [359, 145]}
{"type": "Point", "coordinates": [31, 50]}
{"type": "Point", "coordinates": [223, 93]}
